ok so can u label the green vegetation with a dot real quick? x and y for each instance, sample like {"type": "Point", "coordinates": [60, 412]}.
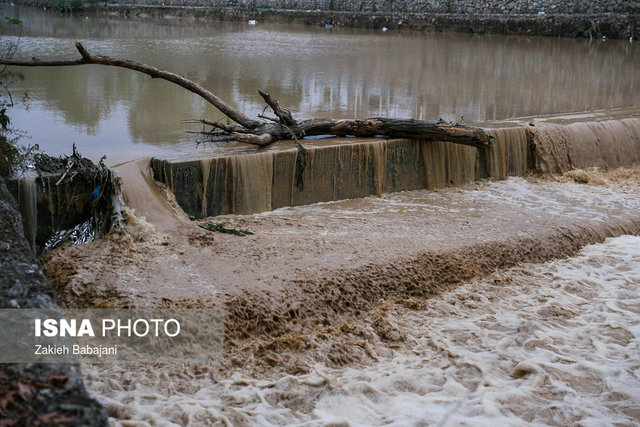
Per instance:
{"type": "Point", "coordinates": [260, 6]}
{"type": "Point", "coordinates": [64, 6]}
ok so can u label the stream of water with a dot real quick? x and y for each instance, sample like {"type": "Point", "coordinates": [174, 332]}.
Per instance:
{"type": "Point", "coordinates": [316, 72]}
{"type": "Point", "coordinates": [549, 343]}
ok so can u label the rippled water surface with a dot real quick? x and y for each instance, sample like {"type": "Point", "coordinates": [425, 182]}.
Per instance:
{"type": "Point", "coordinates": [338, 73]}
{"type": "Point", "coordinates": [554, 343]}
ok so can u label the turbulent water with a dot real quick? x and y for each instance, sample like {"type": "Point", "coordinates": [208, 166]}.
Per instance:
{"type": "Point", "coordinates": [554, 343]}
{"type": "Point", "coordinates": [548, 343]}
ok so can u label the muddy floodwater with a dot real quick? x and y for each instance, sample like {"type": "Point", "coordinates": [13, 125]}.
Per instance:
{"type": "Point", "coordinates": [316, 72]}
{"type": "Point", "coordinates": [552, 342]}
{"type": "Point", "coordinates": [547, 344]}
{"type": "Point", "coordinates": [501, 301]}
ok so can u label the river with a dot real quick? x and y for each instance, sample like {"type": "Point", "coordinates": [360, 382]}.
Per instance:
{"type": "Point", "coordinates": [546, 344]}
{"type": "Point", "coordinates": [552, 342]}
{"type": "Point", "coordinates": [316, 72]}
{"type": "Point", "coordinates": [500, 302]}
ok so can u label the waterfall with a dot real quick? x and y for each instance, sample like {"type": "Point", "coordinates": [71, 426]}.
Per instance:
{"type": "Point", "coordinates": [28, 203]}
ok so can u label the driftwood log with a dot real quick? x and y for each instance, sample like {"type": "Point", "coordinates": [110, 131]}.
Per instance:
{"type": "Point", "coordinates": [267, 129]}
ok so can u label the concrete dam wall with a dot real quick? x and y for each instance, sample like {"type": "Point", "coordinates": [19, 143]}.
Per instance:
{"type": "Point", "coordinates": [338, 169]}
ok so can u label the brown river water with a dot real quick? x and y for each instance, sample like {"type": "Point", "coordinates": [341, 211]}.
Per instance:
{"type": "Point", "coordinates": [465, 306]}
{"type": "Point", "coordinates": [340, 73]}
{"type": "Point", "coordinates": [540, 344]}
{"type": "Point", "coordinates": [505, 302]}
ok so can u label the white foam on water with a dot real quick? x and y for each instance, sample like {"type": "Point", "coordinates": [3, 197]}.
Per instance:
{"type": "Point", "coordinates": [549, 344]}
{"type": "Point", "coordinates": [554, 343]}
{"type": "Point", "coordinates": [586, 201]}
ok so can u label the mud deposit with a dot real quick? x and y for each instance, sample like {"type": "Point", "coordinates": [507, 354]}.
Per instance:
{"type": "Point", "coordinates": [414, 306]}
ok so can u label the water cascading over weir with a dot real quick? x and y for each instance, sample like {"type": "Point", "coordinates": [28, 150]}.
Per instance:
{"type": "Point", "coordinates": [344, 168]}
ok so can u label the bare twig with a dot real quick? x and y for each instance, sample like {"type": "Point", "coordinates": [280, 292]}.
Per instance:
{"type": "Point", "coordinates": [282, 113]}
{"type": "Point", "coordinates": [273, 119]}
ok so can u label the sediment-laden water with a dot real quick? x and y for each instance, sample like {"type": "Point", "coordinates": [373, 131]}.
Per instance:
{"type": "Point", "coordinates": [404, 233]}
{"type": "Point", "coordinates": [339, 73]}
{"type": "Point", "coordinates": [470, 305]}
{"type": "Point", "coordinates": [257, 180]}
{"type": "Point", "coordinates": [493, 339]}
{"type": "Point", "coordinates": [553, 343]}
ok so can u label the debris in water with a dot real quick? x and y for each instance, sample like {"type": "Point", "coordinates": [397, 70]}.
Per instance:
{"type": "Point", "coordinates": [222, 229]}
{"type": "Point", "coordinates": [95, 193]}
{"type": "Point", "coordinates": [80, 199]}
{"type": "Point", "coordinates": [81, 233]}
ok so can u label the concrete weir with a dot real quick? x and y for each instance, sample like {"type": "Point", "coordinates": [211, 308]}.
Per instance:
{"type": "Point", "coordinates": [344, 168]}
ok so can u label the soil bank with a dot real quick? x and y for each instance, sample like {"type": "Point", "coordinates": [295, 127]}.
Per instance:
{"type": "Point", "coordinates": [589, 25]}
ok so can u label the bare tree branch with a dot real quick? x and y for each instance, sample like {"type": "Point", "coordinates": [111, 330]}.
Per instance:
{"type": "Point", "coordinates": [154, 72]}
{"type": "Point", "coordinates": [252, 131]}
{"type": "Point", "coordinates": [282, 113]}
{"type": "Point", "coordinates": [226, 128]}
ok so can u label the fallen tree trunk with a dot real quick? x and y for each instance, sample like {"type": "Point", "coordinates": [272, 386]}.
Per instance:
{"type": "Point", "coordinates": [283, 126]}
{"type": "Point", "coordinates": [377, 126]}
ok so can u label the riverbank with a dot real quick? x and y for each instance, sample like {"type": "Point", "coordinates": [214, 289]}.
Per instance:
{"type": "Point", "coordinates": [614, 25]}
{"type": "Point", "coordinates": [32, 394]}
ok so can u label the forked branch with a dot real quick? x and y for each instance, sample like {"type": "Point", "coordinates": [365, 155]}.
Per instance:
{"type": "Point", "coordinates": [283, 126]}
